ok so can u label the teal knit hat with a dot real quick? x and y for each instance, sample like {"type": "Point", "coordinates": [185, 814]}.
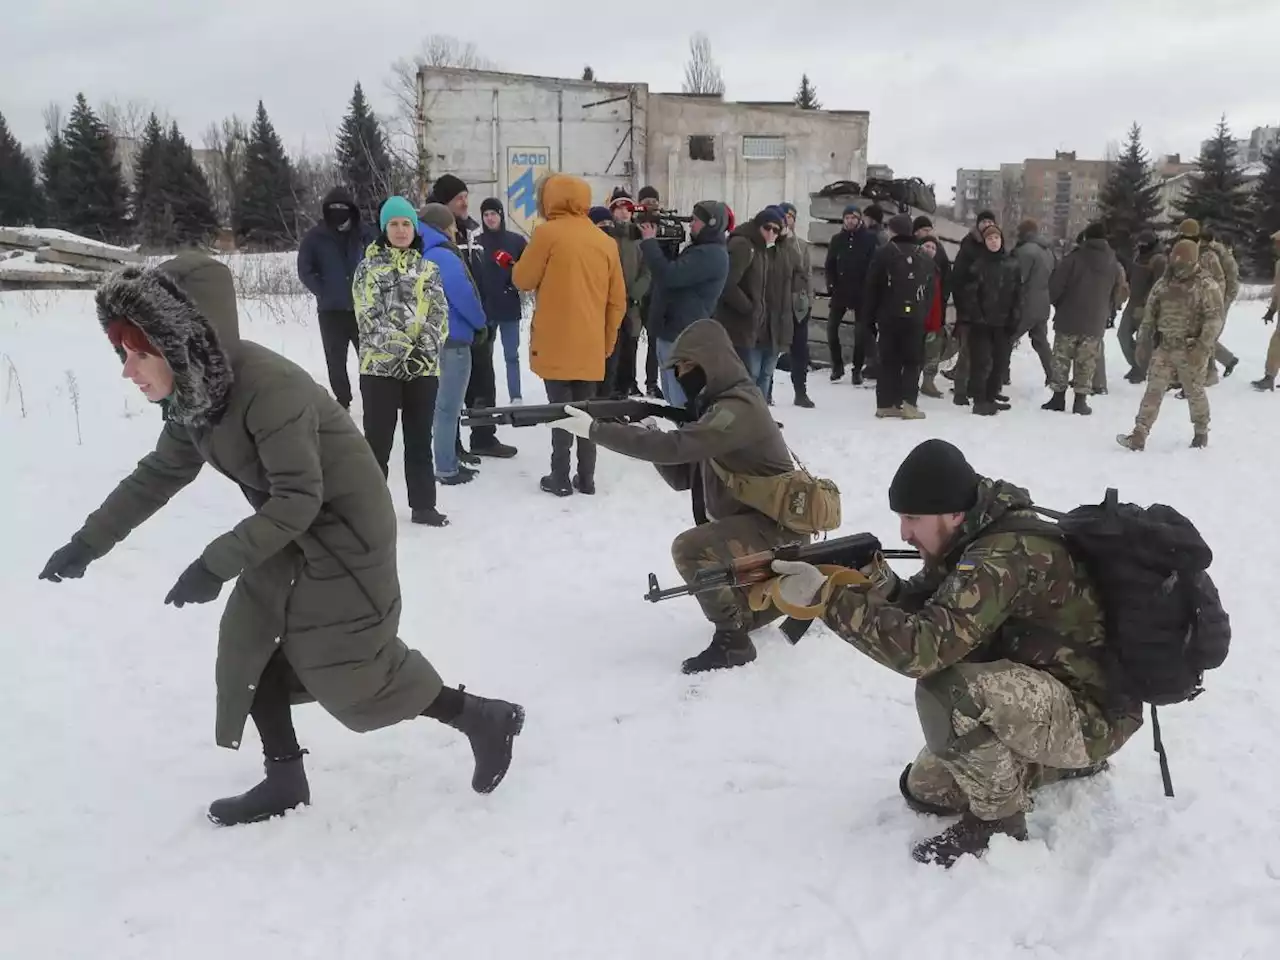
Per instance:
{"type": "Point", "coordinates": [397, 207]}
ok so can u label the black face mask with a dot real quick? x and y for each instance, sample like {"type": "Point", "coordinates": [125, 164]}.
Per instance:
{"type": "Point", "coordinates": [692, 383]}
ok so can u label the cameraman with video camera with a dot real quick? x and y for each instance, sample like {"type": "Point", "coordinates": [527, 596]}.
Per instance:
{"type": "Point", "coordinates": [684, 289]}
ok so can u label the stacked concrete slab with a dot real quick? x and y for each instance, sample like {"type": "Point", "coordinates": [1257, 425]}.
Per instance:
{"type": "Point", "coordinates": [827, 213]}
{"type": "Point", "coordinates": [34, 258]}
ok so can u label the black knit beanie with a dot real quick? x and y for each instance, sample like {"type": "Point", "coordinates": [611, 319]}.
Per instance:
{"type": "Point", "coordinates": [921, 223]}
{"type": "Point", "coordinates": [647, 193]}
{"type": "Point", "coordinates": [934, 479]}
{"type": "Point", "coordinates": [446, 188]}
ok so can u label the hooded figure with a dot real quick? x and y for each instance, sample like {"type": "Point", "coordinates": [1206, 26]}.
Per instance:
{"type": "Point", "coordinates": [1035, 266]}
{"type": "Point", "coordinates": [327, 261]}
{"type": "Point", "coordinates": [734, 430]}
{"type": "Point", "coordinates": [316, 606]}
{"type": "Point", "coordinates": [742, 305]}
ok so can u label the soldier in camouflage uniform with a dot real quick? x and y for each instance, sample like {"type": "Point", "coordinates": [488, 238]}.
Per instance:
{"type": "Point", "coordinates": [1219, 263]}
{"type": "Point", "coordinates": [735, 431]}
{"type": "Point", "coordinates": [1268, 381]}
{"type": "Point", "coordinates": [1003, 632]}
{"type": "Point", "coordinates": [1183, 319]}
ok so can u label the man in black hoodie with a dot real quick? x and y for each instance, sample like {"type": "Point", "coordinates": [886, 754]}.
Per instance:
{"type": "Point", "coordinates": [482, 390]}
{"type": "Point", "coordinates": [848, 259]}
{"type": "Point", "coordinates": [898, 296]}
{"type": "Point", "coordinates": [327, 261]}
{"type": "Point", "coordinates": [971, 247]}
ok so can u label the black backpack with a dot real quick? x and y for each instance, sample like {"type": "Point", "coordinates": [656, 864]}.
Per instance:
{"type": "Point", "coordinates": [910, 281]}
{"type": "Point", "coordinates": [1165, 624]}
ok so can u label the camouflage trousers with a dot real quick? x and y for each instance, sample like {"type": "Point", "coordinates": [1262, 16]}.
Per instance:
{"type": "Point", "coordinates": [1072, 348]}
{"type": "Point", "coordinates": [939, 347]}
{"type": "Point", "coordinates": [993, 732]}
{"type": "Point", "coordinates": [1167, 366]}
{"type": "Point", "coordinates": [718, 543]}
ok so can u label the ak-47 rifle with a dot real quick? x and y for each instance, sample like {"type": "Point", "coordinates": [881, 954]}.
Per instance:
{"type": "Point", "coordinates": [854, 552]}
{"type": "Point", "coordinates": [627, 411]}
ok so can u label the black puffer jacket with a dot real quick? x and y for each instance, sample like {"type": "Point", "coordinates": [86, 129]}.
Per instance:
{"type": "Point", "coordinates": [992, 296]}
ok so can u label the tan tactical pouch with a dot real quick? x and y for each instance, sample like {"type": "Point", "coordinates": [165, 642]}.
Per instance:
{"type": "Point", "coordinates": [796, 499]}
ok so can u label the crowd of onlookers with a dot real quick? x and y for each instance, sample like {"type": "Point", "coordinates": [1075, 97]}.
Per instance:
{"type": "Point", "coordinates": [424, 296]}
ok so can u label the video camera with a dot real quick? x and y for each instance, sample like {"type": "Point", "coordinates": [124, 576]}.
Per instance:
{"type": "Point", "coordinates": [672, 232]}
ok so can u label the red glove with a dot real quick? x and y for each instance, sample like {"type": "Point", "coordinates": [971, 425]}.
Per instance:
{"type": "Point", "coordinates": [503, 259]}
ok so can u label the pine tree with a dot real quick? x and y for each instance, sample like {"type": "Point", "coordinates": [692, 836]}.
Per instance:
{"type": "Point", "coordinates": [153, 221]}
{"type": "Point", "coordinates": [1265, 207]}
{"type": "Point", "coordinates": [1130, 199]}
{"type": "Point", "coordinates": [362, 157]}
{"type": "Point", "coordinates": [59, 191]}
{"type": "Point", "coordinates": [20, 200]}
{"type": "Point", "coordinates": [1215, 192]}
{"type": "Point", "coordinates": [807, 96]}
{"type": "Point", "coordinates": [195, 219]}
{"type": "Point", "coordinates": [98, 204]}
{"type": "Point", "coordinates": [267, 204]}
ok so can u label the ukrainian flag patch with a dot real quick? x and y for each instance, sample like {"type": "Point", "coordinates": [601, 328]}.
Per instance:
{"type": "Point", "coordinates": [966, 566]}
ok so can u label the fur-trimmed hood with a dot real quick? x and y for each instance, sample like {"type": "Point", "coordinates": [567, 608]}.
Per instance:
{"type": "Point", "coordinates": [187, 308]}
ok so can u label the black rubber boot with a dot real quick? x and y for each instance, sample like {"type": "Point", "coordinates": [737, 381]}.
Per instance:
{"type": "Point", "coordinates": [922, 806]}
{"type": "Point", "coordinates": [1081, 405]}
{"type": "Point", "coordinates": [284, 788]}
{"type": "Point", "coordinates": [558, 486]}
{"type": "Point", "coordinates": [728, 648]}
{"type": "Point", "coordinates": [491, 726]}
{"type": "Point", "coordinates": [1058, 402]}
{"type": "Point", "coordinates": [584, 485]}
{"type": "Point", "coordinates": [970, 835]}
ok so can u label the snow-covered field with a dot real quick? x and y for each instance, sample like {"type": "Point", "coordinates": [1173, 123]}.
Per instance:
{"type": "Point", "coordinates": [752, 814]}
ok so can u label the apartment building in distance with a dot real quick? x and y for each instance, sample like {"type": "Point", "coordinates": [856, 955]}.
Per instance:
{"type": "Point", "coordinates": [976, 190]}
{"type": "Point", "coordinates": [1253, 148]}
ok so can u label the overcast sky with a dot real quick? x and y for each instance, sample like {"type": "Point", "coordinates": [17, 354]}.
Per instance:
{"type": "Point", "coordinates": [1011, 79]}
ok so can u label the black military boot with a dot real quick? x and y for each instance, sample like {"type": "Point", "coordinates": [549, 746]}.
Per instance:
{"type": "Point", "coordinates": [491, 726]}
{"type": "Point", "coordinates": [1264, 383]}
{"type": "Point", "coordinates": [558, 486]}
{"type": "Point", "coordinates": [1081, 405]}
{"type": "Point", "coordinates": [970, 835]}
{"type": "Point", "coordinates": [730, 647]}
{"type": "Point", "coordinates": [985, 408]}
{"type": "Point", "coordinates": [584, 485]}
{"type": "Point", "coordinates": [802, 400]}
{"type": "Point", "coordinates": [1058, 402]}
{"type": "Point", "coordinates": [1200, 441]}
{"type": "Point", "coordinates": [284, 788]}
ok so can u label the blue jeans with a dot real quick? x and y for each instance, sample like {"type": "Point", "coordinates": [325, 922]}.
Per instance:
{"type": "Point", "coordinates": [764, 373]}
{"type": "Point", "coordinates": [455, 374]}
{"type": "Point", "coordinates": [510, 331]}
{"type": "Point", "coordinates": [671, 390]}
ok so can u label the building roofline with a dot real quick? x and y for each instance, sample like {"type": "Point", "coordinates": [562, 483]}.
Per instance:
{"type": "Point", "coordinates": [507, 75]}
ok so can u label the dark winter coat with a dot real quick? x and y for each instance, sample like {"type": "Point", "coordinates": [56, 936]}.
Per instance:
{"type": "Point", "coordinates": [1085, 288]}
{"type": "Point", "coordinates": [1035, 265]}
{"type": "Point", "coordinates": [316, 561]}
{"type": "Point", "coordinates": [741, 307]}
{"type": "Point", "coordinates": [784, 279]}
{"type": "Point", "coordinates": [962, 270]}
{"type": "Point", "coordinates": [735, 427]}
{"type": "Point", "coordinates": [1145, 270]}
{"type": "Point", "coordinates": [466, 313]}
{"type": "Point", "coordinates": [687, 288]}
{"type": "Point", "coordinates": [848, 260]}
{"type": "Point", "coordinates": [992, 297]}
{"type": "Point", "coordinates": [877, 298]}
{"type": "Point", "coordinates": [500, 297]}
{"type": "Point", "coordinates": [327, 258]}
{"type": "Point", "coordinates": [635, 272]}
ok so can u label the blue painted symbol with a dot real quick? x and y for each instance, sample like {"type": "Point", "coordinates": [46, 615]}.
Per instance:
{"type": "Point", "coordinates": [522, 194]}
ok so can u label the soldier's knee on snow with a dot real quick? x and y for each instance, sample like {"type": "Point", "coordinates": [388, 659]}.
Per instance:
{"type": "Point", "coordinates": [685, 550]}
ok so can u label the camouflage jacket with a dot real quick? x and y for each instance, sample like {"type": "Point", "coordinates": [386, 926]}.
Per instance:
{"type": "Point", "coordinates": [401, 312]}
{"type": "Point", "coordinates": [1230, 270]}
{"type": "Point", "coordinates": [997, 596]}
{"type": "Point", "coordinates": [1184, 311]}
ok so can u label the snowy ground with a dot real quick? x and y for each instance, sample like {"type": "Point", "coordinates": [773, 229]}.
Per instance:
{"type": "Point", "coordinates": [747, 815]}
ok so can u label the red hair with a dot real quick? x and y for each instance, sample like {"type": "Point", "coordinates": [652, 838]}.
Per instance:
{"type": "Point", "coordinates": [125, 334]}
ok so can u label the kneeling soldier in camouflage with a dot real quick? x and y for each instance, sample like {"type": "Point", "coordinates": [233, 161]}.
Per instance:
{"type": "Point", "coordinates": [1184, 317]}
{"type": "Point", "coordinates": [1003, 632]}
{"type": "Point", "coordinates": [734, 432]}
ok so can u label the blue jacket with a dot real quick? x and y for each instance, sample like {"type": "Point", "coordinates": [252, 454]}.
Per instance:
{"type": "Point", "coordinates": [501, 298]}
{"type": "Point", "coordinates": [327, 258]}
{"type": "Point", "coordinates": [466, 314]}
{"type": "Point", "coordinates": [687, 288]}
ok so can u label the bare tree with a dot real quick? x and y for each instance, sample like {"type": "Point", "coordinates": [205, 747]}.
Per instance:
{"type": "Point", "coordinates": [435, 50]}
{"type": "Point", "coordinates": [702, 73]}
{"type": "Point", "coordinates": [52, 114]}
{"type": "Point", "coordinates": [227, 141]}
{"type": "Point", "coordinates": [127, 121]}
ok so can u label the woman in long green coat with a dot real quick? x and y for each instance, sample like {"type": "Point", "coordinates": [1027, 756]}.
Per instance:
{"type": "Point", "coordinates": [316, 605]}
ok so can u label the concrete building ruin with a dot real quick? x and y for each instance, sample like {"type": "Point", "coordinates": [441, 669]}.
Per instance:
{"type": "Point", "coordinates": [501, 131]}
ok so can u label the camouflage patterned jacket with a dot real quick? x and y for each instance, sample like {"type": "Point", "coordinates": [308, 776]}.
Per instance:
{"type": "Point", "coordinates": [401, 312]}
{"type": "Point", "coordinates": [997, 596]}
{"type": "Point", "coordinates": [1230, 270]}
{"type": "Point", "coordinates": [1184, 311]}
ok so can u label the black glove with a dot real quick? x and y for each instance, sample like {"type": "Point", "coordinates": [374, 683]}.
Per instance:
{"type": "Point", "coordinates": [69, 561]}
{"type": "Point", "coordinates": [196, 585]}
